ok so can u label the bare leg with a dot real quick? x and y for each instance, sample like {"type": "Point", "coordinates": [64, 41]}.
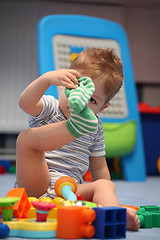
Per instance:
{"type": "Point", "coordinates": [103, 192]}
{"type": "Point", "coordinates": [32, 170]}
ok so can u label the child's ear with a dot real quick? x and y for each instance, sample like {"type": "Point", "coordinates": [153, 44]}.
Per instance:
{"type": "Point", "coordinates": [104, 106]}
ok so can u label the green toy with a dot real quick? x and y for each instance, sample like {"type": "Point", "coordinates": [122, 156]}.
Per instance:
{"type": "Point", "coordinates": [149, 216]}
{"type": "Point", "coordinates": [6, 205]}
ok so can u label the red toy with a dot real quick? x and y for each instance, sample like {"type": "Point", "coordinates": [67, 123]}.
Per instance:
{"type": "Point", "coordinates": [42, 210]}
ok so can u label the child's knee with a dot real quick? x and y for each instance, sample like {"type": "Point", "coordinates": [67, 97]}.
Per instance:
{"type": "Point", "coordinates": [22, 138]}
{"type": "Point", "coordinates": [104, 183]}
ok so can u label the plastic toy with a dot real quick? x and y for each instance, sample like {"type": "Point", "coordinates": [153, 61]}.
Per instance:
{"type": "Point", "coordinates": [58, 201]}
{"type": "Point", "coordinates": [22, 207]}
{"type": "Point", "coordinates": [2, 170]}
{"type": "Point", "coordinates": [5, 164]}
{"type": "Point", "coordinates": [6, 205]}
{"type": "Point", "coordinates": [150, 118]}
{"type": "Point", "coordinates": [42, 210]}
{"type": "Point", "coordinates": [32, 210]}
{"type": "Point", "coordinates": [66, 187]}
{"type": "Point", "coordinates": [29, 228]}
{"type": "Point", "coordinates": [4, 230]}
{"type": "Point", "coordinates": [81, 203]}
{"type": "Point", "coordinates": [149, 216]}
{"type": "Point", "coordinates": [74, 222]}
{"type": "Point", "coordinates": [110, 222]}
{"type": "Point", "coordinates": [130, 206]}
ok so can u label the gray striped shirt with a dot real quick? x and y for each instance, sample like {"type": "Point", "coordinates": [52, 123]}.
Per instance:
{"type": "Point", "coordinates": [72, 159]}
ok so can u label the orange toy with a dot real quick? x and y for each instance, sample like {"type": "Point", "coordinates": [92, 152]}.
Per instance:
{"type": "Point", "coordinates": [66, 187]}
{"type": "Point", "coordinates": [130, 206]}
{"type": "Point", "coordinates": [74, 222]}
{"type": "Point", "coordinates": [22, 207]}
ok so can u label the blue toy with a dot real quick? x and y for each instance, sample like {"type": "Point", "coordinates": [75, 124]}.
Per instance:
{"type": "Point", "coordinates": [4, 230]}
{"type": "Point", "coordinates": [110, 222]}
{"type": "Point", "coordinates": [59, 38]}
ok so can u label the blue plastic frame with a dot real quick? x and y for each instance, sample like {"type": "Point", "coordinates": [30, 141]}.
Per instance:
{"type": "Point", "coordinates": [85, 26]}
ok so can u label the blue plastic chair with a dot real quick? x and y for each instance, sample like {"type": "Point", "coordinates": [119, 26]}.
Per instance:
{"type": "Point", "coordinates": [60, 39]}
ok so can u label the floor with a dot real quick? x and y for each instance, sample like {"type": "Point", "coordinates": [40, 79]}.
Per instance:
{"type": "Point", "coordinates": [129, 193]}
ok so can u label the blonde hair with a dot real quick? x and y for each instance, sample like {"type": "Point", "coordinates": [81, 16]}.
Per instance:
{"type": "Point", "coordinates": [102, 65]}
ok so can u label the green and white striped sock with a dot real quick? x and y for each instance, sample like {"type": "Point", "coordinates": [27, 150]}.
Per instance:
{"type": "Point", "coordinates": [79, 98]}
{"type": "Point", "coordinates": [82, 119]}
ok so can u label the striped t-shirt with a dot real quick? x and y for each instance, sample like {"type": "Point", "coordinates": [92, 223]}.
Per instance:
{"type": "Point", "coordinates": [72, 159]}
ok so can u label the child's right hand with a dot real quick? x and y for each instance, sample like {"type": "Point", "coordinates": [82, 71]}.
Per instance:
{"type": "Point", "coordinates": [63, 77]}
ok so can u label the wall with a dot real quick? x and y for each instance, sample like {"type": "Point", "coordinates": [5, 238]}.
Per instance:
{"type": "Point", "coordinates": [18, 58]}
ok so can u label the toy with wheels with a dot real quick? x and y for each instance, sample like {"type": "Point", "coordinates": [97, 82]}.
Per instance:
{"type": "Point", "coordinates": [66, 187]}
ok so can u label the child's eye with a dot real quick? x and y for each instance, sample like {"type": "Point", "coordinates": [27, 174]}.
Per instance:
{"type": "Point", "coordinates": [93, 101]}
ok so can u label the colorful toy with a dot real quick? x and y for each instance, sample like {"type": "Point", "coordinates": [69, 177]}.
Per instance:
{"type": "Point", "coordinates": [74, 222]}
{"type": "Point", "coordinates": [6, 205]}
{"type": "Point", "coordinates": [29, 228]}
{"type": "Point", "coordinates": [110, 222]}
{"type": "Point", "coordinates": [58, 201]}
{"type": "Point", "coordinates": [22, 207]}
{"type": "Point", "coordinates": [80, 203]}
{"type": "Point", "coordinates": [66, 187]}
{"type": "Point", "coordinates": [42, 210]}
{"type": "Point", "coordinates": [5, 164]}
{"type": "Point", "coordinates": [149, 216]}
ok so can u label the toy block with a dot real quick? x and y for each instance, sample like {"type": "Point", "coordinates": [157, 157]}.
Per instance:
{"type": "Point", "coordinates": [22, 207]}
{"type": "Point", "coordinates": [110, 222]}
{"type": "Point", "coordinates": [2, 170]}
{"type": "Point", "coordinates": [149, 208]}
{"type": "Point", "coordinates": [74, 222]}
{"type": "Point", "coordinates": [146, 220]}
{"type": "Point", "coordinates": [149, 216]}
{"type": "Point", "coordinates": [6, 164]}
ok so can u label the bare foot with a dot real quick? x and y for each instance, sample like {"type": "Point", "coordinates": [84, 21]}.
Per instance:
{"type": "Point", "coordinates": [133, 222]}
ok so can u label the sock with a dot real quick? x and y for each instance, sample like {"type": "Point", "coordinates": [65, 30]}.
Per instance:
{"type": "Point", "coordinates": [82, 119]}
{"type": "Point", "coordinates": [79, 97]}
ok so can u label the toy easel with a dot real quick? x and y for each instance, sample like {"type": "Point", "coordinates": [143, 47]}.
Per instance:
{"type": "Point", "coordinates": [61, 38]}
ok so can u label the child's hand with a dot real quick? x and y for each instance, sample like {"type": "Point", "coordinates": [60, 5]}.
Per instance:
{"type": "Point", "coordinates": [63, 77]}
{"type": "Point", "coordinates": [82, 119]}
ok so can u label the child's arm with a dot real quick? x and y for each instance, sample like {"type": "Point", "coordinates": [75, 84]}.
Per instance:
{"type": "Point", "coordinates": [98, 168]}
{"type": "Point", "coordinates": [30, 99]}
